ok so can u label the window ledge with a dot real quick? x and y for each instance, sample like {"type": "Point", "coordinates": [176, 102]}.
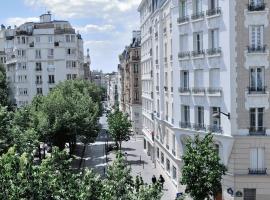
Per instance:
{"type": "Point", "coordinates": [185, 94]}
{"type": "Point", "coordinates": [213, 16]}
{"type": "Point", "coordinates": [198, 57]}
{"type": "Point", "coordinates": [214, 55]}
{"type": "Point", "coordinates": [185, 58]}
{"type": "Point", "coordinates": [197, 20]}
{"type": "Point", "coordinates": [183, 23]}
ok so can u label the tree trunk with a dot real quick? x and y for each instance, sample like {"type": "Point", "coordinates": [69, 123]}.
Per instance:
{"type": "Point", "coordinates": [120, 145]}
{"type": "Point", "coordinates": [82, 155]}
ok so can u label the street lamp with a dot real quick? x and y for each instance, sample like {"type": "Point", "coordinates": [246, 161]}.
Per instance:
{"type": "Point", "coordinates": [217, 114]}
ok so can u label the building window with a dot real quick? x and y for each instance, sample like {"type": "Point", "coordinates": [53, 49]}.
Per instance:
{"type": "Point", "coordinates": [50, 39]}
{"type": "Point", "coordinates": [39, 91]}
{"type": "Point", "coordinates": [200, 116]}
{"type": "Point", "coordinates": [136, 68]}
{"type": "Point", "coordinates": [213, 39]}
{"type": "Point", "coordinates": [249, 194]}
{"type": "Point", "coordinates": [168, 165]}
{"type": "Point", "coordinates": [162, 158]}
{"type": "Point", "coordinates": [197, 6]}
{"type": "Point", "coordinates": [157, 152]}
{"type": "Point", "coordinates": [185, 80]}
{"type": "Point", "coordinates": [68, 76]}
{"type": "Point", "coordinates": [183, 8]}
{"type": "Point", "coordinates": [186, 114]}
{"type": "Point", "coordinates": [256, 36]}
{"type": "Point", "coordinates": [72, 38]}
{"type": "Point", "coordinates": [38, 66]}
{"type": "Point", "coordinates": [256, 79]}
{"type": "Point", "coordinates": [50, 53]}
{"type": "Point", "coordinates": [51, 79]}
{"type": "Point", "coordinates": [174, 174]}
{"type": "Point", "coordinates": [198, 79]}
{"type": "Point", "coordinates": [74, 76]}
{"type": "Point", "coordinates": [67, 38]}
{"type": "Point", "coordinates": [214, 78]}
{"type": "Point", "coordinates": [256, 119]}
{"type": "Point", "coordinates": [213, 4]}
{"type": "Point", "coordinates": [38, 53]}
{"type": "Point", "coordinates": [198, 41]}
{"type": "Point", "coordinates": [257, 160]}
{"type": "Point", "coordinates": [183, 43]}
{"type": "Point", "coordinates": [39, 79]}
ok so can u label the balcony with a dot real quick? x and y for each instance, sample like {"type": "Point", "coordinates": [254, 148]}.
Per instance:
{"type": "Point", "coordinates": [256, 7]}
{"type": "Point", "coordinates": [64, 31]}
{"type": "Point", "coordinates": [257, 131]}
{"type": "Point", "coordinates": [213, 51]}
{"type": "Point", "coordinates": [213, 12]}
{"type": "Point", "coordinates": [215, 129]}
{"type": "Point", "coordinates": [185, 54]}
{"type": "Point", "coordinates": [197, 16]}
{"type": "Point", "coordinates": [198, 90]}
{"type": "Point", "coordinates": [214, 90]}
{"type": "Point", "coordinates": [258, 171]}
{"type": "Point", "coordinates": [186, 125]}
{"type": "Point", "coordinates": [199, 127]}
{"type": "Point", "coordinates": [183, 19]}
{"type": "Point", "coordinates": [257, 90]}
{"type": "Point", "coordinates": [197, 53]}
{"type": "Point", "coordinates": [184, 90]}
{"type": "Point", "coordinates": [256, 49]}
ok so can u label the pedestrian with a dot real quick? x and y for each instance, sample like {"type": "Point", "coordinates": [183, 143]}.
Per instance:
{"type": "Point", "coordinates": [154, 179]}
{"type": "Point", "coordinates": [161, 180]}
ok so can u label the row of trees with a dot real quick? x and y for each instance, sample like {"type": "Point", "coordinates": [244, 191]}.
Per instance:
{"type": "Point", "coordinates": [22, 178]}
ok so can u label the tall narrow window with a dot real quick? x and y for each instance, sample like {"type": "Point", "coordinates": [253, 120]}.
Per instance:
{"type": "Point", "coordinates": [256, 79]}
{"type": "Point", "coordinates": [197, 6]}
{"type": "Point", "coordinates": [198, 41]}
{"type": "Point", "coordinates": [186, 114]}
{"type": "Point", "coordinates": [257, 160]}
{"type": "Point", "coordinates": [213, 39]}
{"type": "Point", "coordinates": [256, 36]}
{"type": "Point", "coordinates": [256, 120]}
{"type": "Point", "coordinates": [183, 8]}
{"type": "Point", "coordinates": [185, 80]}
{"type": "Point", "coordinates": [200, 116]}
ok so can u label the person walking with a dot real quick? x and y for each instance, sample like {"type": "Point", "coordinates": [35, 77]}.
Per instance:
{"type": "Point", "coordinates": [154, 179]}
{"type": "Point", "coordinates": [161, 180]}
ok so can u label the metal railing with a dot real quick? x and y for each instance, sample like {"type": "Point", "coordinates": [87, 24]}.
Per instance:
{"type": "Point", "coordinates": [183, 19]}
{"type": "Point", "coordinates": [184, 54]}
{"type": "Point", "coordinates": [256, 6]}
{"type": "Point", "coordinates": [213, 51]}
{"type": "Point", "coordinates": [184, 90]}
{"type": "Point", "coordinates": [215, 129]}
{"type": "Point", "coordinates": [198, 15]}
{"type": "Point", "coordinates": [199, 127]}
{"type": "Point", "coordinates": [185, 125]}
{"type": "Point", "coordinates": [257, 131]}
{"type": "Point", "coordinates": [257, 90]}
{"type": "Point", "coordinates": [214, 90]}
{"type": "Point", "coordinates": [256, 49]}
{"type": "Point", "coordinates": [197, 53]}
{"type": "Point", "coordinates": [260, 171]}
{"type": "Point", "coordinates": [198, 90]}
{"type": "Point", "coordinates": [214, 11]}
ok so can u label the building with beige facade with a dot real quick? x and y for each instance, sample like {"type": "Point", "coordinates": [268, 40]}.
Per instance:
{"type": "Point", "coordinates": [111, 81]}
{"type": "Point", "coordinates": [129, 72]}
{"type": "Point", "coordinates": [39, 55]}
{"type": "Point", "coordinates": [209, 61]}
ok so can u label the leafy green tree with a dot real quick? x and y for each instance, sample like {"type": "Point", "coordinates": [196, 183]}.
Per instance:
{"type": "Point", "coordinates": [119, 127]}
{"type": "Point", "coordinates": [5, 122]}
{"type": "Point", "coordinates": [3, 87]}
{"type": "Point", "coordinates": [202, 171]}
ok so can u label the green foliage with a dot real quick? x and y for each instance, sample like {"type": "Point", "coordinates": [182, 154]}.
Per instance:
{"type": "Point", "coordinates": [119, 126]}
{"type": "Point", "coordinates": [3, 87]}
{"type": "Point", "coordinates": [202, 171]}
{"type": "Point", "coordinates": [5, 121]}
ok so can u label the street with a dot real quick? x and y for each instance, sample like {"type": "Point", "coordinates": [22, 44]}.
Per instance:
{"type": "Point", "coordinates": [137, 159]}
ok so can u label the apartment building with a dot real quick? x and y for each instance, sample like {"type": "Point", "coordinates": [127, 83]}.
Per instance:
{"type": "Point", "coordinates": [129, 79]}
{"type": "Point", "coordinates": [112, 89]}
{"type": "Point", "coordinates": [2, 45]}
{"type": "Point", "coordinates": [40, 55]}
{"type": "Point", "coordinates": [86, 66]}
{"type": "Point", "coordinates": [210, 74]}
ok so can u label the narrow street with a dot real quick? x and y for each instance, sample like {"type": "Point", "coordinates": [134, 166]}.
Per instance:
{"type": "Point", "coordinates": [137, 159]}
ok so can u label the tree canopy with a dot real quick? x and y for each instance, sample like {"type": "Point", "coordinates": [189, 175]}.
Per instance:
{"type": "Point", "coordinates": [119, 126]}
{"type": "Point", "coordinates": [3, 87]}
{"type": "Point", "coordinates": [202, 171]}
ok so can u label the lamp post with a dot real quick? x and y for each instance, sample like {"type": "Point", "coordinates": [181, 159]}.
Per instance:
{"type": "Point", "coordinates": [217, 114]}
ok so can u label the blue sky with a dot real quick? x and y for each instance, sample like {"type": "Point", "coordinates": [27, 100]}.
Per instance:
{"type": "Point", "coordinates": [106, 25]}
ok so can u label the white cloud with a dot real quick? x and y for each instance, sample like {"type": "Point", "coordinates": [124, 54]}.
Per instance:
{"type": "Point", "coordinates": [19, 20]}
{"type": "Point", "coordinates": [83, 8]}
{"type": "Point", "coordinates": [92, 28]}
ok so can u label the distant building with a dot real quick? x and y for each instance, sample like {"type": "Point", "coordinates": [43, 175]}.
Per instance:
{"type": "Point", "coordinates": [112, 89]}
{"type": "Point", "coordinates": [86, 66]}
{"type": "Point", "coordinates": [2, 45]}
{"type": "Point", "coordinates": [40, 55]}
{"type": "Point", "coordinates": [98, 77]}
{"type": "Point", "coordinates": [129, 79]}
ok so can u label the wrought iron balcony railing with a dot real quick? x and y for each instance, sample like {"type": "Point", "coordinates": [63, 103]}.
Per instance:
{"type": "Point", "coordinates": [197, 53]}
{"type": "Point", "coordinates": [184, 90]}
{"type": "Point", "coordinates": [197, 15]}
{"type": "Point", "coordinates": [198, 90]}
{"type": "Point", "coordinates": [199, 127]}
{"type": "Point", "coordinates": [214, 11]}
{"type": "Point", "coordinates": [256, 6]}
{"type": "Point", "coordinates": [214, 90]}
{"type": "Point", "coordinates": [260, 171]}
{"type": "Point", "coordinates": [215, 129]}
{"type": "Point", "coordinates": [183, 19]}
{"type": "Point", "coordinates": [184, 54]}
{"type": "Point", "coordinates": [257, 90]}
{"type": "Point", "coordinates": [257, 131]}
{"type": "Point", "coordinates": [186, 125]}
{"type": "Point", "coordinates": [213, 51]}
{"type": "Point", "coordinates": [256, 49]}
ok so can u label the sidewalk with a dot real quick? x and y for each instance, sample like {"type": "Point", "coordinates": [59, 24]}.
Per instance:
{"type": "Point", "coordinates": [142, 165]}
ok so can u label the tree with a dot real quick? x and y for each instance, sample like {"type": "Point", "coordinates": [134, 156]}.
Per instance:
{"type": "Point", "coordinates": [3, 87]}
{"type": "Point", "coordinates": [202, 171]}
{"type": "Point", "coordinates": [5, 121]}
{"type": "Point", "coordinates": [119, 127]}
